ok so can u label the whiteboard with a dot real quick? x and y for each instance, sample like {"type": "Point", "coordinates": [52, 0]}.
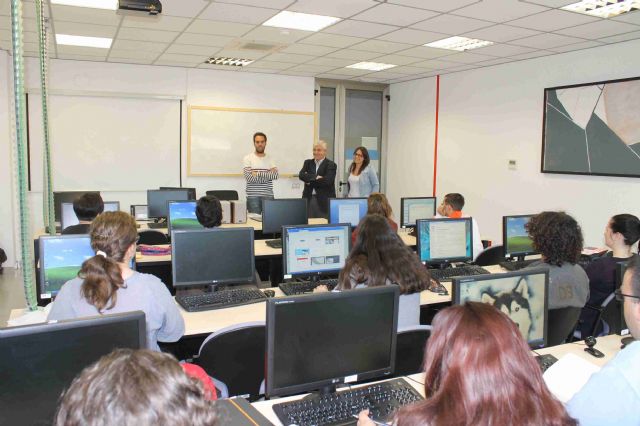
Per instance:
{"type": "Point", "coordinates": [107, 143]}
{"type": "Point", "coordinates": [219, 139]}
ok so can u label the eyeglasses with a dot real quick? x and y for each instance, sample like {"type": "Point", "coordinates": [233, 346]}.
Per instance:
{"type": "Point", "coordinates": [357, 154]}
{"type": "Point", "coordinates": [620, 296]}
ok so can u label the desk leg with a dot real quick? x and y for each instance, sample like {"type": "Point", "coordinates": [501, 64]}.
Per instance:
{"type": "Point", "coordinates": [275, 271]}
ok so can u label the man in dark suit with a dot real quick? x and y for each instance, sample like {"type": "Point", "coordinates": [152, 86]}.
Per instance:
{"type": "Point", "coordinates": [318, 175]}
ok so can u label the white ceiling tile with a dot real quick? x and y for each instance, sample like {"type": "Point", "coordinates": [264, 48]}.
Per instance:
{"type": "Point", "coordinates": [356, 55]}
{"type": "Point", "coordinates": [578, 46]}
{"type": "Point", "coordinates": [175, 64]}
{"type": "Point", "coordinates": [259, 70]}
{"type": "Point", "coordinates": [499, 10]}
{"type": "Point", "coordinates": [274, 4]}
{"type": "Point", "coordinates": [332, 40]}
{"type": "Point", "coordinates": [203, 39]}
{"type": "Point", "coordinates": [276, 35]}
{"type": "Point", "coordinates": [451, 24]}
{"type": "Point", "coordinates": [29, 25]}
{"type": "Point", "coordinates": [138, 45]}
{"type": "Point", "coordinates": [599, 29]}
{"type": "Point", "coordinates": [503, 50]}
{"type": "Point", "coordinates": [349, 71]}
{"type": "Point", "coordinates": [439, 6]}
{"type": "Point", "coordinates": [359, 29]}
{"type": "Point", "coordinates": [436, 64]}
{"type": "Point", "coordinates": [204, 26]}
{"type": "Point", "coordinates": [190, 49]}
{"type": "Point", "coordinates": [89, 30]}
{"type": "Point", "coordinates": [545, 41]}
{"type": "Point", "coordinates": [396, 59]}
{"type": "Point", "coordinates": [311, 68]}
{"type": "Point", "coordinates": [146, 35]}
{"type": "Point", "coordinates": [270, 65]}
{"type": "Point", "coordinates": [289, 57]}
{"type": "Point", "coordinates": [631, 18]}
{"type": "Point", "coordinates": [550, 3]}
{"type": "Point", "coordinates": [622, 37]}
{"type": "Point", "coordinates": [133, 54]}
{"type": "Point", "coordinates": [425, 52]}
{"type": "Point", "coordinates": [237, 13]}
{"type": "Point", "coordinates": [408, 70]}
{"type": "Point", "coordinates": [238, 53]}
{"type": "Point", "coordinates": [5, 34]}
{"type": "Point", "coordinates": [332, 76]}
{"type": "Point", "coordinates": [334, 62]}
{"type": "Point", "coordinates": [159, 22]}
{"type": "Point", "coordinates": [501, 33]}
{"type": "Point", "coordinates": [298, 73]}
{"type": "Point", "coordinates": [536, 54]}
{"type": "Point", "coordinates": [85, 51]}
{"type": "Point", "coordinates": [138, 61]}
{"type": "Point", "coordinates": [220, 67]}
{"type": "Point", "coordinates": [382, 46]}
{"type": "Point", "coordinates": [186, 8]}
{"type": "Point", "coordinates": [337, 8]}
{"type": "Point", "coordinates": [173, 57]}
{"type": "Point", "coordinates": [407, 35]}
{"type": "Point", "coordinates": [497, 61]}
{"type": "Point", "coordinates": [386, 74]}
{"type": "Point", "coordinates": [465, 67]}
{"type": "Point", "coordinates": [469, 58]}
{"type": "Point", "coordinates": [80, 57]}
{"type": "Point", "coordinates": [308, 49]}
{"type": "Point", "coordinates": [552, 20]}
{"type": "Point", "coordinates": [367, 79]}
{"type": "Point", "coordinates": [85, 15]}
{"type": "Point", "coordinates": [394, 15]}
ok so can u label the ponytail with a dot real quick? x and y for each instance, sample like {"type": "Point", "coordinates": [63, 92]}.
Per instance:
{"type": "Point", "coordinates": [102, 279]}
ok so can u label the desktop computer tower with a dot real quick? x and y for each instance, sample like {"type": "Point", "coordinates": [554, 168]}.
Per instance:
{"type": "Point", "coordinates": [239, 211]}
{"type": "Point", "coordinates": [226, 211]}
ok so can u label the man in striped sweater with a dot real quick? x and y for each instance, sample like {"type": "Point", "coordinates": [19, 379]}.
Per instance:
{"type": "Point", "coordinates": [259, 172]}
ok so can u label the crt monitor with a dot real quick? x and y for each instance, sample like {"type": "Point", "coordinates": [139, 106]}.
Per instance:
{"type": "Point", "coordinates": [65, 197]}
{"type": "Point", "coordinates": [37, 362]}
{"type": "Point", "coordinates": [347, 210]}
{"type": "Point", "coordinates": [316, 341]}
{"type": "Point", "coordinates": [182, 215]}
{"type": "Point", "coordinates": [212, 256]}
{"type": "Point", "coordinates": [283, 212]}
{"type": "Point", "coordinates": [414, 208]}
{"type": "Point", "coordinates": [157, 201]}
{"type": "Point", "coordinates": [516, 240]}
{"type": "Point", "coordinates": [192, 191]}
{"type": "Point", "coordinates": [522, 295]}
{"type": "Point", "coordinates": [315, 249]}
{"type": "Point", "coordinates": [69, 217]}
{"type": "Point", "coordinates": [443, 240]}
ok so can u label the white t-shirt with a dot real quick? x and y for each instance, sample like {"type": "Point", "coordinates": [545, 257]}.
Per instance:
{"type": "Point", "coordinates": [354, 186]}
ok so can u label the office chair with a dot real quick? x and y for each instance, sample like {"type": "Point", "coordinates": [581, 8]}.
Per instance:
{"type": "Point", "coordinates": [607, 320]}
{"type": "Point", "coordinates": [224, 194]}
{"type": "Point", "coordinates": [152, 237]}
{"type": "Point", "coordinates": [490, 256]}
{"type": "Point", "coordinates": [561, 324]}
{"type": "Point", "coordinates": [410, 349]}
{"type": "Point", "coordinates": [235, 356]}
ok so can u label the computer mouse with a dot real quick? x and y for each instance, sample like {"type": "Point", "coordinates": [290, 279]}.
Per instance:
{"type": "Point", "coordinates": [269, 293]}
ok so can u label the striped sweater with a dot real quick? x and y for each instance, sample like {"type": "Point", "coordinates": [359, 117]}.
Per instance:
{"type": "Point", "coordinates": [260, 185]}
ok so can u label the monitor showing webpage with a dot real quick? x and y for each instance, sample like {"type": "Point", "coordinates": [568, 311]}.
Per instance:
{"type": "Point", "coordinates": [444, 240]}
{"type": "Point", "coordinates": [412, 209]}
{"type": "Point", "coordinates": [315, 249]}
{"type": "Point", "coordinates": [347, 210]}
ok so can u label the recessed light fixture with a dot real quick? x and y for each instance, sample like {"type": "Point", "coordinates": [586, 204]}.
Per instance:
{"type": "Point", "coordinates": [232, 62]}
{"type": "Point", "coordinates": [300, 21]}
{"type": "Point", "coordinates": [95, 4]}
{"type": "Point", "coordinates": [74, 40]}
{"type": "Point", "coordinates": [603, 8]}
{"type": "Point", "coordinates": [371, 66]}
{"type": "Point", "coordinates": [459, 43]}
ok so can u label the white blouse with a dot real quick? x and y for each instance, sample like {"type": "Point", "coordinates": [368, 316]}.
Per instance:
{"type": "Point", "coordinates": [354, 186]}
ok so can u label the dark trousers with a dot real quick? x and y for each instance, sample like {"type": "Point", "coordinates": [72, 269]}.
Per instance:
{"type": "Point", "coordinates": [315, 209]}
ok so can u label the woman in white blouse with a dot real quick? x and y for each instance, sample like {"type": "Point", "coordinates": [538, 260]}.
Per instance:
{"type": "Point", "coordinates": [363, 180]}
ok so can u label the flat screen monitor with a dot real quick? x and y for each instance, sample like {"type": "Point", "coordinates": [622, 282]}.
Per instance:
{"type": "Point", "coordinates": [283, 212]}
{"type": "Point", "coordinates": [444, 240]}
{"type": "Point", "coordinates": [37, 362]}
{"type": "Point", "coordinates": [517, 242]}
{"type": "Point", "coordinates": [212, 256]}
{"type": "Point", "coordinates": [139, 211]}
{"type": "Point", "coordinates": [65, 197]}
{"type": "Point", "coordinates": [192, 191]}
{"type": "Point", "coordinates": [316, 341]}
{"type": "Point", "coordinates": [522, 295]}
{"type": "Point", "coordinates": [69, 217]}
{"type": "Point", "coordinates": [315, 249]}
{"type": "Point", "coordinates": [347, 210]}
{"type": "Point", "coordinates": [61, 258]}
{"type": "Point", "coordinates": [157, 201]}
{"type": "Point", "coordinates": [414, 208]}
{"type": "Point", "coordinates": [182, 215]}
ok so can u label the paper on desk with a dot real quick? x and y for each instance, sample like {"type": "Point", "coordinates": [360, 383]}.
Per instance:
{"type": "Point", "coordinates": [568, 375]}
{"type": "Point", "coordinates": [26, 318]}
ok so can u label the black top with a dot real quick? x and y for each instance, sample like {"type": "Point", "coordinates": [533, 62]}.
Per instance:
{"type": "Point", "coordinates": [325, 187]}
{"type": "Point", "coordinates": [81, 228]}
{"type": "Point", "coordinates": [602, 277]}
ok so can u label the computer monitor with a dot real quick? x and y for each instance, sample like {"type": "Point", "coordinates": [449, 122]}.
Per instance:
{"type": "Point", "coordinates": [61, 258]}
{"type": "Point", "coordinates": [69, 217]}
{"type": "Point", "coordinates": [283, 212]}
{"type": "Point", "coordinates": [315, 249]}
{"type": "Point", "coordinates": [139, 211]}
{"type": "Point", "coordinates": [522, 295]}
{"type": "Point", "coordinates": [65, 197]}
{"type": "Point", "coordinates": [347, 210]}
{"type": "Point", "coordinates": [414, 208]}
{"type": "Point", "coordinates": [37, 362]}
{"type": "Point", "coordinates": [443, 240]}
{"type": "Point", "coordinates": [516, 240]}
{"type": "Point", "coordinates": [182, 215]}
{"type": "Point", "coordinates": [157, 201]}
{"type": "Point", "coordinates": [316, 341]}
{"type": "Point", "coordinates": [192, 191]}
{"type": "Point", "coordinates": [212, 256]}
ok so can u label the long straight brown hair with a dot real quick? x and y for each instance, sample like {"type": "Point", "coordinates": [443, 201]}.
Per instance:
{"type": "Point", "coordinates": [479, 371]}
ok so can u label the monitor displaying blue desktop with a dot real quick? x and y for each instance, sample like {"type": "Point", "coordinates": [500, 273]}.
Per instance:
{"type": "Point", "coordinates": [516, 239]}
{"type": "Point", "coordinates": [182, 215]}
{"type": "Point", "coordinates": [61, 258]}
{"type": "Point", "coordinates": [69, 217]}
{"type": "Point", "coordinates": [315, 249]}
{"type": "Point", "coordinates": [347, 210]}
{"type": "Point", "coordinates": [414, 208]}
{"type": "Point", "coordinates": [444, 240]}
{"type": "Point", "coordinates": [522, 295]}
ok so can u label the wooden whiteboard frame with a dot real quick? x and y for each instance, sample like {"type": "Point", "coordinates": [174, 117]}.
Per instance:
{"type": "Point", "coordinates": [267, 111]}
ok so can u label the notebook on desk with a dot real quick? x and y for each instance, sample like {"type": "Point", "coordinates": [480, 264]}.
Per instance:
{"type": "Point", "coordinates": [238, 412]}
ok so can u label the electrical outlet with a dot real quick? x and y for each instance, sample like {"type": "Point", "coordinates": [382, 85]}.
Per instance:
{"type": "Point", "coordinates": [513, 165]}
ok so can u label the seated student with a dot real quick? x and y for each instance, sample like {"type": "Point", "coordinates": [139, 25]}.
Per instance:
{"type": "Point", "coordinates": [377, 203]}
{"type": "Point", "coordinates": [209, 211]}
{"type": "Point", "coordinates": [620, 234]}
{"type": "Point", "coordinates": [612, 395]}
{"type": "Point", "coordinates": [86, 207]}
{"type": "Point", "coordinates": [559, 238]}
{"type": "Point", "coordinates": [106, 283]}
{"type": "Point", "coordinates": [129, 387]}
{"type": "Point", "coordinates": [479, 371]}
{"type": "Point", "coordinates": [451, 207]}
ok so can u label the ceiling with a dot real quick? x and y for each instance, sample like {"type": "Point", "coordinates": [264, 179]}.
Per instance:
{"type": "Point", "coordinates": [388, 31]}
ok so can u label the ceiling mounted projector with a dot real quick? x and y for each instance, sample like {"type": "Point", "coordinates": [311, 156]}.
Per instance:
{"type": "Point", "coordinates": [137, 7]}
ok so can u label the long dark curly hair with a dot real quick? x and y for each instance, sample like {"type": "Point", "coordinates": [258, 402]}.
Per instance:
{"type": "Point", "coordinates": [557, 236]}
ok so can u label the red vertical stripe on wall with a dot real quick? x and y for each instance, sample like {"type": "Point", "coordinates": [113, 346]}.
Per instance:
{"type": "Point", "coordinates": [435, 149]}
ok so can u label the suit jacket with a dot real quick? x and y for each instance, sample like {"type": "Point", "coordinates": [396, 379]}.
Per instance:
{"type": "Point", "coordinates": [325, 187]}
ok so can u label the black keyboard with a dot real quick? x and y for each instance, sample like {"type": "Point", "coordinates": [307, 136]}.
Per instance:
{"type": "Point", "coordinates": [461, 271]}
{"type": "Point", "coordinates": [517, 265]}
{"type": "Point", "coordinates": [274, 243]}
{"type": "Point", "coordinates": [545, 361]}
{"type": "Point", "coordinates": [153, 225]}
{"type": "Point", "coordinates": [342, 408]}
{"type": "Point", "coordinates": [301, 287]}
{"type": "Point", "coordinates": [220, 299]}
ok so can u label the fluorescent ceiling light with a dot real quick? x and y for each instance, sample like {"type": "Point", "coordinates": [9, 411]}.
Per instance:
{"type": "Point", "coordinates": [603, 8]}
{"type": "Point", "coordinates": [74, 40]}
{"type": "Point", "coordinates": [95, 4]}
{"type": "Point", "coordinates": [233, 62]}
{"type": "Point", "coordinates": [459, 43]}
{"type": "Point", "coordinates": [371, 66]}
{"type": "Point", "coordinates": [300, 21]}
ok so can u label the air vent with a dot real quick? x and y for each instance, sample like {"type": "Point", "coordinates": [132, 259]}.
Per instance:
{"type": "Point", "coordinates": [232, 62]}
{"type": "Point", "coordinates": [255, 46]}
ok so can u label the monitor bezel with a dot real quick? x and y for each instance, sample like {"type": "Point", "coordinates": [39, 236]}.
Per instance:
{"type": "Point", "coordinates": [341, 200]}
{"type": "Point", "coordinates": [402, 208]}
{"type": "Point", "coordinates": [285, 230]}
{"type": "Point", "coordinates": [455, 292]}
{"type": "Point", "coordinates": [272, 305]}
{"type": "Point", "coordinates": [192, 191]}
{"type": "Point", "coordinates": [149, 215]}
{"type": "Point", "coordinates": [440, 260]}
{"type": "Point", "coordinates": [265, 215]}
{"type": "Point", "coordinates": [41, 250]}
{"type": "Point", "coordinates": [169, 227]}
{"type": "Point", "coordinates": [134, 207]}
{"type": "Point", "coordinates": [504, 238]}
{"type": "Point", "coordinates": [62, 227]}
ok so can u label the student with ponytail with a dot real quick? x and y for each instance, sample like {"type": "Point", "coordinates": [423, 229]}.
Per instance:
{"type": "Point", "coordinates": [106, 284]}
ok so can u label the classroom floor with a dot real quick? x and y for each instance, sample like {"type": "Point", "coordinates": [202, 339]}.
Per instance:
{"type": "Point", "coordinates": [11, 293]}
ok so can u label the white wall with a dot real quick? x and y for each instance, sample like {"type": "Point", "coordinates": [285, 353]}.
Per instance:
{"type": "Point", "coordinates": [491, 115]}
{"type": "Point", "coordinates": [6, 173]}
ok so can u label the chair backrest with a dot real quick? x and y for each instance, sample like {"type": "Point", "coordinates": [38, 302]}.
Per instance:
{"type": "Point", "coordinates": [490, 256]}
{"type": "Point", "coordinates": [224, 194]}
{"type": "Point", "coordinates": [410, 349]}
{"type": "Point", "coordinates": [561, 324]}
{"type": "Point", "coordinates": [235, 355]}
{"type": "Point", "coordinates": [152, 237]}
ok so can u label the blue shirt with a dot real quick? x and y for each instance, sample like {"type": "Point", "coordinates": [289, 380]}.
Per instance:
{"type": "Point", "coordinates": [612, 395]}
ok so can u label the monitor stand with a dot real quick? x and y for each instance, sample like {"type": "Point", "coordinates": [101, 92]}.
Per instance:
{"type": "Point", "coordinates": [442, 265]}
{"type": "Point", "coordinates": [323, 391]}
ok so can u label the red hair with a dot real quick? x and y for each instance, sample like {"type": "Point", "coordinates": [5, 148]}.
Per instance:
{"type": "Point", "coordinates": [479, 371]}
